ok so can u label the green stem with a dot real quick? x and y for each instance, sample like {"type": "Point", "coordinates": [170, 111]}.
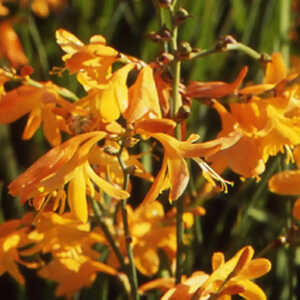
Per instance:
{"type": "Point", "coordinates": [230, 47]}
{"type": "Point", "coordinates": [39, 45]}
{"type": "Point", "coordinates": [176, 105]}
{"type": "Point", "coordinates": [107, 233]}
{"type": "Point", "coordinates": [132, 269]}
{"type": "Point", "coordinates": [284, 26]}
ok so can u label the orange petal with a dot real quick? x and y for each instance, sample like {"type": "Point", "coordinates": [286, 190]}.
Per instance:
{"type": "Point", "coordinates": [285, 183]}
{"type": "Point", "coordinates": [51, 126]}
{"type": "Point", "coordinates": [276, 70]}
{"type": "Point", "coordinates": [10, 45]}
{"type": "Point", "coordinates": [67, 41]}
{"type": "Point", "coordinates": [33, 123]}
{"type": "Point", "coordinates": [216, 89]}
{"type": "Point", "coordinates": [296, 209]}
{"type": "Point", "coordinates": [143, 97]}
{"type": "Point", "coordinates": [256, 268]}
{"type": "Point", "coordinates": [19, 102]}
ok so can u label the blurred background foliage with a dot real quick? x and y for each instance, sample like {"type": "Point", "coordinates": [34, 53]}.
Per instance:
{"type": "Point", "coordinates": [248, 214]}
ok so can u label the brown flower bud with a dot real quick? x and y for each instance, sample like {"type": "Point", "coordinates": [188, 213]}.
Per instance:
{"type": "Point", "coordinates": [181, 15]}
{"type": "Point", "coordinates": [164, 3]}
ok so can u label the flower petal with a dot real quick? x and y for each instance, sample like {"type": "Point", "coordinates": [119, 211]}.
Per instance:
{"type": "Point", "coordinates": [285, 183]}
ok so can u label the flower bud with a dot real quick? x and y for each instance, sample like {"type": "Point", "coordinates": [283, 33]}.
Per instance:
{"type": "Point", "coordinates": [181, 15]}
{"type": "Point", "coordinates": [164, 3]}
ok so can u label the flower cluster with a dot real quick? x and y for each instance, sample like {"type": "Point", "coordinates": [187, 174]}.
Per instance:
{"type": "Point", "coordinates": [82, 221]}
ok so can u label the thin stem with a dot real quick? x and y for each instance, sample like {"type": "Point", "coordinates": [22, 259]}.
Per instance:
{"type": "Point", "coordinates": [230, 47]}
{"type": "Point", "coordinates": [179, 239]}
{"type": "Point", "coordinates": [107, 233]}
{"type": "Point", "coordinates": [39, 45]}
{"type": "Point", "coordinates": [63, 92]}
{"type": "Point", "coordinates": [176, 67]}
{"type": "Point", "coordinates": [284, 26]}
{"type": "Point", "coordinates": [132, 269]}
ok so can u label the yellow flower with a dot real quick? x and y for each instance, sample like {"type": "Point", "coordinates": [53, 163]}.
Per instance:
{"type": "Point", "coordinates": [228, 278]}
{"type": "Point", "coordinates": [66, 163]}
{"type": "Point", "coordinates": [72, 272]}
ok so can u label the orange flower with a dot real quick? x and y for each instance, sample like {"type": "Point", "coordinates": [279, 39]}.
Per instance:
{"type": "Point", "coordinates": [143, 97]}
{"type": "Point", "coordinates": [150, 230]}
{"type": "Point", "coordinates": [287, 183]}
{"type": "Point", "coordinates": [41, 104]}
{"type": "Point", "coordinates": [217, 89]}
{"type": "Point", "coordinates": [227, 279]}
{"type": "Point", "coordinates": [91, 62]}
{"type": "Point", "coordinates": [267, 125]}
{"type": "Point", "coordinates": [73, 261]}
{"type": "Point", "coordinates": [13, 235]}
{"type": "Point", "coordinates": [174, 172]}
{"type": "Point", "coordinates": [66, 163]}
{"type": "Point", "coordinates": [42, 7]}
{"type": "Point", "coordinates": [275, 73]}
{"type": "Point", "coordinates": [10, 45]}
{"type": "Point", "coordinates": [111, 100]}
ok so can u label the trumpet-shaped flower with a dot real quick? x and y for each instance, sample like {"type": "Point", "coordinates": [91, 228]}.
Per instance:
{"type": "Point", "coordinates": [228, 278]}
{"type": "Point", "coordinates": [73, 261]}
{"type": "Point", "coordinates": [174, 172]}
{"type": "Point", "coordinates": [215, 89]}
{"type": "Point", "coordinates": [143, 97]}
{"type": "Point", "coordinates": [67, 163]}
{"type": "Point", "coordinates": [267, 125]}
{"type": "Point", "coordinates": [150, 230]}
{"type": "Point", "coordinates": [13, 235]}
{"type": "Point", "coordinates": [41, 104]}
{"type": "Point", "coordinates": [91, 62]}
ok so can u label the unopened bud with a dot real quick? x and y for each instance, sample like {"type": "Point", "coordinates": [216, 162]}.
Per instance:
{"type": "Point", "coordinates": [225, 41]}
{"type": "Point", "coordinates": [165, 58]}
{"type": "Point", "coordinates": [181, 15]}
{"type": "Point", "coordinates": [183, 113]}
{"type": "Point", "coordinates": [164, 3]}
{"type": "Point", "coordinates": [163, 34]}
{"type": "Point", "coordinates": [184, 51]}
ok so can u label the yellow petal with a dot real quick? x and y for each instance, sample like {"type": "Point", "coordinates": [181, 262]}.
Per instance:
{"type": "Point", "coordinates": [256, 268]}
{"type": "Point", "coordinates": [146, 259]}
{"type": "Point", "coordinates": [217, 260]}
{"type": "Point", "coordinates": [51, 126]}
{"type": "Point", "coordinates": [107, 187]}
{"type": "Point", "coordinates": [77, 196]}
{"type": "Point", "coordinates": [67, 41]}
{"type": "Point", "coordinates": [251, 290]}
